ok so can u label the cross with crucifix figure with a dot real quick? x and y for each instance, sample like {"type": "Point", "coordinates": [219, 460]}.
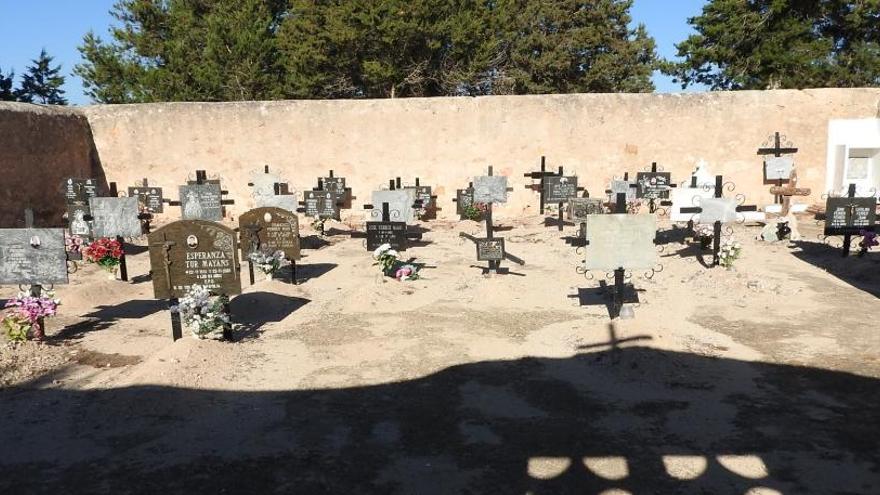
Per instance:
{"type": "Point", "coordinates": [789, 190]}
{"type": "Point", "coordinates": [490, 189]}
{"type": "Point", "coordinates": [166, 246]}
{"type": "Point", "coordinates": [849, 216]}
{"type": "Point", "coordinates": [777, 168]}
{"type": "Point", "coordinates": [716, 211]}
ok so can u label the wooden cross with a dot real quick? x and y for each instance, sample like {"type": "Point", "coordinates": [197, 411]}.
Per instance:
{"type": "Point", "coordinates": [716, 241]}
{"type": "Point", "coordinates": [789, 190]}
{"type": "Point", "coordinates": [166, 245]}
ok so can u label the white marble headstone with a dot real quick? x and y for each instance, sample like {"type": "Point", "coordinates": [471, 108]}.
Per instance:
{"type": "Point", "coordinates": [778, 167]}
{"type": "Point", "coordinates": [621, 241]}
{"type": "Point", "coordinates": [400, 205]}
{"type": "Point", "coordinates": [686, 197]}
{"type": "Point", "coordinates": [490, 189]}
{"type": "Point", "coordinates": [717, 210]}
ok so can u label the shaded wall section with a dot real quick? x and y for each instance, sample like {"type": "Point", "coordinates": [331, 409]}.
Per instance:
{"type": "Point", "coordinates": [446, 141]}
{"type": "Point", "coordinates": [40, 147]}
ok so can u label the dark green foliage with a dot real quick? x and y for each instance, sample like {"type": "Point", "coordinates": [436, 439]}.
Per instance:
{"type": "Point", "coordinates": [6, 92]}
{"type": "Point", "coordinates": [41, 83]}
{"type": "Point", "coordinates": [216, 50]}
{"type": "Point", "coordinates": [768, 44]}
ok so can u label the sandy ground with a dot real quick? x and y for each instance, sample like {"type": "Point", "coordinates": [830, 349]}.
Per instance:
{"type": "Point", "coordinates": [759, 380]}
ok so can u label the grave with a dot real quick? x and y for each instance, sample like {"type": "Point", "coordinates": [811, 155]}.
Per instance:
{"type": "Point", "coordinates": [778, 166]}
{"type": "Point", "coordinates": [387, 231]}
{"type": "Point", "coordinates": [269, 189]}
{"type": "Point", "coordinates": [554, 188]}
{"type": "Point", "coordinates": [848, 216]}
{"type": "Point", "coordinates": [336, 184]}
{"type": "Point", "coordinates": [617, 242]}
{"type": "Point", "coordinates": [490, 189]}
{"type": "Point", "coordinates": [716, 210]}
{"type": "Point", "coordinates": [270, 229]}
{"type": "Point", "coordinates": [193, 252]}
{"type": "Point", "coordinates": [653, 185]}
{"type": "Point", "coordinates": [622, 186]}
{"type": "Point", "coordinates": [151, 201]}
{"type": "Point", "coordinates": [401, 204]}
{"type": "Point", "coordinates": [464, 199]}
{"type": "Point", "coordinates": [327, 200]}
{"type": "Point", "coordinates": [423, 198]}
{"type": "Point", "coordinates": [77, 193]}
{"type": "Point", "coordinates": [202, 199]}
{"type": "Point", "coordinates": [115, 217]}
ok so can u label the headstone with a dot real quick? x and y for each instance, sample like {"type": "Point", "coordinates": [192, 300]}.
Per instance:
{"type": "Point", "coordinates": [653, 185]}
{"type": "Point", "coordinates": [113, 217]}
{"type": "Point", "coordinates": [335, 184]}
{"type": "Point", "coordinates": [322, 204]}
{"type": "Point", "coordinates": [78, 191]}
{"type": "Point", "coordinates": [620, 240]}
{"type": "Point", "coordinates": [393, 233]}
{"type": "Point", "coordinates": [580, 208]}
{"type": "Point", "coordinates": [686, 197]}
{"type": "Point", "coordinates": [778, 167]}
{"type": "Point", "coordinates": [464, 198]}
{"type": "Point", "coordinates": [849, 215]}
{"type": "Point", "coordinates": [271, 229]}
{"type": "Point", "coordinates": [76, 220]}
{"type": "Point", "coordinates": [716, 210]}
{"type": "Point", "coordinates": [201, 201]}
{"type": "Point", "coordinates": [560, 189]}
{"type": "Point", "coordinates": [263, 186]}
{"type": "Point", "coordinates": [490, 189]}
{"type": "Point", "coordinates": [193, 252]}
{"type": "Point", "coordinates": [149, 198]}
{"type": "Point", "coordinates": [623, 187]}
{"type": "Point", "coordinates": [32, 256]}
{"type": "Point", "coordinates": [400, 204]}
{"type": "Point", "coordinates": [422, 193]}
{"type": "Point", "coordinates": [490, 249]}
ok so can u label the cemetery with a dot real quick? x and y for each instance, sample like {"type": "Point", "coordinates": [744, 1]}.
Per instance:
{"type": "Point", "coordinates": [597, 293]}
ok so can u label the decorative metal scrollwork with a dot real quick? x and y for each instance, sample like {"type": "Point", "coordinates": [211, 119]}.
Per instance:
{"type": "Point", "coordinates": [729, 186]}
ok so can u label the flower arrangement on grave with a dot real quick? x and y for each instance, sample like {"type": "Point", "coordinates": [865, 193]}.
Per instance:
{"type": "Point", "coordinates": [73, 243]}
{"type": "Point", "coordinates": [105, 252]}
{"type": "Point", "coordinates": [705, 234]}
{"type": "Point", "coordinates": [476, 211]}
{"type": "Point", "coordinates": [388, 259]}
{"type": "Point", "coordinates": [23, 313]}
{"type": "Point", "coordinates": [267, 262]}
{"type": "Point", "coordinates": [203, 312]}
{"type": "Point", "coordinates": [869, 240]}
{"type": "Point", "coordinates": [729, 252]}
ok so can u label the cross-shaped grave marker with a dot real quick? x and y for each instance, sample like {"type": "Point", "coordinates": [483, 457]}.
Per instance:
{"type": "Point", "coordinates": [268, 189]}
{"type": "Point", "coordinates": [151, 201]}
{"type": "Point", "coordinates": [777, 168]}
{"type": "Point", "coordinates": [849, 216]}
{"type": "Point", "coordinates": [554, 188]}
{"type": "Point", "coordinates": [490, 189]}
{"type": "Point", "coordinates": [118, 218]}
{"type": "Point", "coordinates": [654, 185]}
{"type": "Point", "coordinates": [270, 229]}
{"type": "Point", "coordinates": [619, 241]}
{"type": "Point", "coordinates": [787, 191]}
{"type": "Point", "coordinates": [202, 199]}
{"type": "Point", "coordinates": [326, 200]}
{"type": "Point", "coordinates": [717, 210]}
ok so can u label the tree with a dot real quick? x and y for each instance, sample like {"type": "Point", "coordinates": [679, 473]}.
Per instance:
{"type": "Point", "coordinates": [177, 50]}
{"type": "Point", "coordinates": [6, 92]}
{"type": "Point", "coordinates": [41, 83]}
{"type": "Point", "coordinates": [769, 44]}
{"type": "Point", "coordinates": [215, 50]}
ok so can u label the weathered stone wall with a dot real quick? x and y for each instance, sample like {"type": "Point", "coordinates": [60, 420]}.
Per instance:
{"type": "Point", "coordinates": [40, 147]}
{"type": "Point", "coordinates": [446, 141]}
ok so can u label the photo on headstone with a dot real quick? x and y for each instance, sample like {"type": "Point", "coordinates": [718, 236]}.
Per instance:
{"type": "Point", "coordinates": [113, 217]}
{"type": "Point", "coordinates": [32, 256]}
{"type": "Point", "coordinates": [201, 202]}
{"type": "Point", "coordinates": [653, 185]}
{"type": "Point", "coordinates": [621, 241]}
{"type": "Point", "coordinates": [193, 252]}
{"type": "Point", "coordinates": [270, 229]}
{"type": "Point", "coordinates": [76, 220]}
{"type": "Point", "coordinates": [490, 189]}
{"type": "Point", "coordinates": [464, 198]}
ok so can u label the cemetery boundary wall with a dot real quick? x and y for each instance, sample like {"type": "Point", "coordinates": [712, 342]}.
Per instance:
{"type": "Point", "coordinates": [40, 146]}
{"type": "Point", "coordinates": [443, 141]}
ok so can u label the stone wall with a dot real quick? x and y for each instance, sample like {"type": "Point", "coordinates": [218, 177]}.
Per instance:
{"type": "Point", "coordinates": [446, 141]}
{"type": "Point", "coordinates": [40, 147]}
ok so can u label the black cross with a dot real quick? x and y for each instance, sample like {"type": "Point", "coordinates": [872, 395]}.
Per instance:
{"type": "Point", "coordinates": [716, 242]}
{"type": "Point", "coordinates": [490, 234]}
{"type": "Point", "coordinates": [777, 150]}
{"type": "Point", "coordinates": [850, 212]}
{"type": "Point", "coordinates": [166, 245]}
{"type": "Point", "coordinates": [652, 202]}
{"type": "Point", "coordinates": [540, 174]}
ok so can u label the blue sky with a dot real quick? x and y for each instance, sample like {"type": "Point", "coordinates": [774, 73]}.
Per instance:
{"type": "Point", "coordinates": [59, 25]}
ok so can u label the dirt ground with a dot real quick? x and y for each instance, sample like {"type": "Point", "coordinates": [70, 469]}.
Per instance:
{"type": "Point", "coordinates": [762, 379]}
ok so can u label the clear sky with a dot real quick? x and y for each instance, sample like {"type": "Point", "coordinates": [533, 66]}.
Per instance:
{"type": "Point", "coordinates": [59, 25]}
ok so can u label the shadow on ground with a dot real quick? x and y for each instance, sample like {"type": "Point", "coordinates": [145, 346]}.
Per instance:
{"type": "Point", "coordinates": [105, 316]}
{"type": "Point", "coordinates": [653, 422]}
{"type": "Point", "coordinates": [862, 272]}
{"type": "Point", "coordinates": [252, 310]}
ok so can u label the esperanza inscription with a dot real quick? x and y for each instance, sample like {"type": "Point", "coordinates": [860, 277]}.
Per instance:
{"type": "Point", "coordinates": [32, 256]}
{"type": "Point", "coordinates": [271, 229]}
{"type": "Point", "coordinates": [193, 252]}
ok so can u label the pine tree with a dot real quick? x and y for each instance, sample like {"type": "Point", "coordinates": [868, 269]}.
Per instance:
{"type": "Point", "coordinates": [41, 83]}
{"type": "Point", "coordinates": [769, 44]}
{"type": "Point", "coordinates": [6, 92]}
